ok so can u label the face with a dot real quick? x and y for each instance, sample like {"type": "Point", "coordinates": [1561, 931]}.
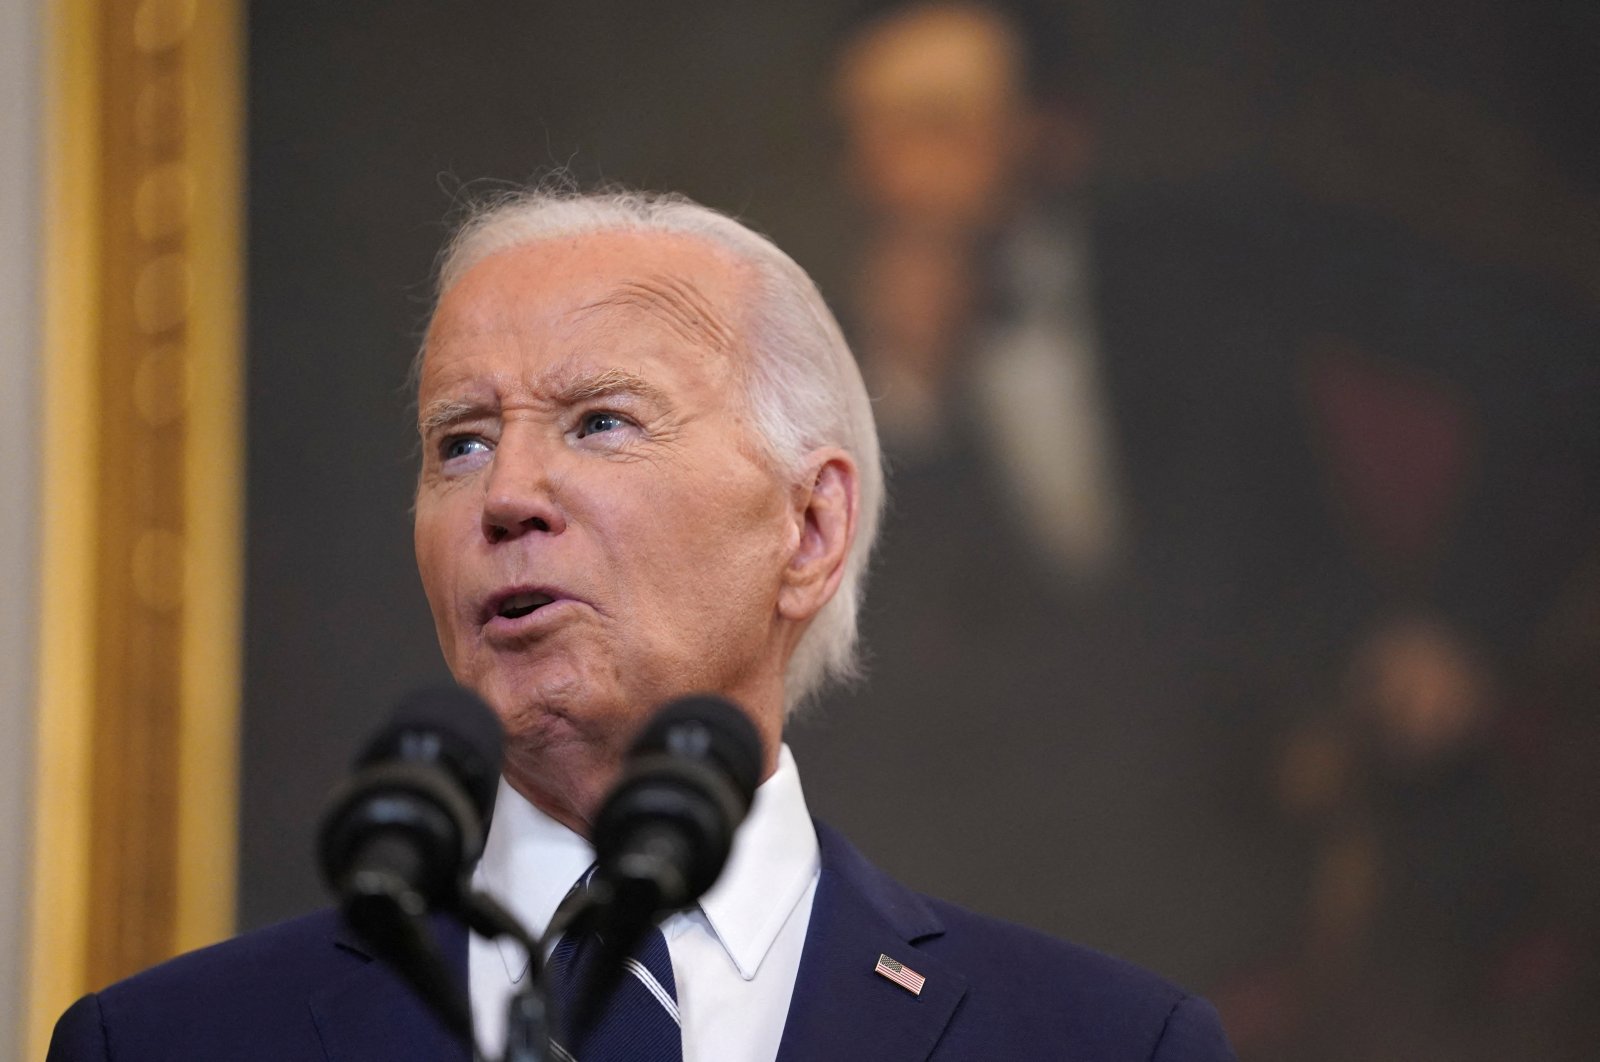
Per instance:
{"type": "Point", "coordinates": [935, 116]}
{"type": "Point", "coordinates": [596, 528]}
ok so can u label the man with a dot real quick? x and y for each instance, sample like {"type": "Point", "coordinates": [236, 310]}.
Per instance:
{"type": "Point", "coordinates": [650, 468]}
{"type": "Point", "coordinates": [1068, 352]}
{"type": "Point", "coordinates": [975, 274]}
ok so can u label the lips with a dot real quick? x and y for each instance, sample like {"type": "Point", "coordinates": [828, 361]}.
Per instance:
{"type": "Point", "coordinates": [514, 603]}
{"type": "Point", "coordinates": [518, 605]}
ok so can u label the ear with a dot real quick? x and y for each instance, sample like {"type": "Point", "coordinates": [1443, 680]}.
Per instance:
{"type": "Point", "coordinates": [826, 503]}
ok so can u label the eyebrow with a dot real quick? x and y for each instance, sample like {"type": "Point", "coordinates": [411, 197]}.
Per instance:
{"type": "Point", "coordinates": [444, 411]}
{"type": "Point", "coordinates": [676, 302]}
{"type": "Point", "coordinates": [587, 387]}
{"type": "Point", "coordinates": [565, 389]}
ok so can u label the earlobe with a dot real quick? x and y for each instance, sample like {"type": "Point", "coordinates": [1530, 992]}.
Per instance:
{"type": "Point", "coordinates": [826, 504]}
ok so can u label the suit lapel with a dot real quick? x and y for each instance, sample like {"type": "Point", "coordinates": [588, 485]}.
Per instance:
{"type": "Point", "coordinates": [841, 1007]}
{"type": "Point", "coordinates": [372, 1014]}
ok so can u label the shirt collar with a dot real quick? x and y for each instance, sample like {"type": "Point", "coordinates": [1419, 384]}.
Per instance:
{"type": "Point", "coordinates": [773, 861]}
{"type": "Point", "coordinates": [530, 861]}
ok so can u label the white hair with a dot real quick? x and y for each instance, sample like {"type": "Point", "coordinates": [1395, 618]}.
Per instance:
{"type": "Point", "coordinates": [802, 385]}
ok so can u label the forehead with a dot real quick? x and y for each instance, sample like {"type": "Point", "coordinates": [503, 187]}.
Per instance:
{"type": "Point", "coordinates": [601, 285]}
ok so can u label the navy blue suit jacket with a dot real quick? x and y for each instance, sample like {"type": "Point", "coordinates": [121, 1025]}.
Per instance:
{"type": "Point", "coordinates": [308, 990]}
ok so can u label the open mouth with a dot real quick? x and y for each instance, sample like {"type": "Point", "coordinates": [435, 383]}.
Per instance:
{"type": "Point", "coordinates": [515, 606]}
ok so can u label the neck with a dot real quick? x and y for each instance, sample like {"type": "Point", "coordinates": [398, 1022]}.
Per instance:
{"type": "Point", "coordinates": [570, 783]}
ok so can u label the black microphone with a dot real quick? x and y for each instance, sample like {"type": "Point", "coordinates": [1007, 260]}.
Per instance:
{"type": "Point", "coordinates": [412, 820]}
{"type": "Point", "coordinates": [399, 838]}
{"type": "Point", "coordinates": [664, 833]}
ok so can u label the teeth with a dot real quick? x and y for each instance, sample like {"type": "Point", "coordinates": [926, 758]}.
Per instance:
{"type": "Point", "coordinates": [521, 604]}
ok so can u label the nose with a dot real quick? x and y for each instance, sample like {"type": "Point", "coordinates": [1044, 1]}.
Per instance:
{"type": "Point", "coordinates": [519, 493]}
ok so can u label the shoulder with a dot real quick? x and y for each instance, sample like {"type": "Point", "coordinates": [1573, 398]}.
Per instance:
{"type": "Point", "coordinates": [309, 948]}
{"type": "Point", "coordinates": [1067, 993]}
{"type": "Point", "coordinates": [206, 1003]}
{"type": "Point", "coordinates": [1035, 995]}
{"type": "Point", "coordinates": [1008, 952]}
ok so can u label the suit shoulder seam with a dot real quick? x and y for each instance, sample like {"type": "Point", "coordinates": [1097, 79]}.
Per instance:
{"type": "Point", "coordinates": [1166, 1023]}
{"type": "Point", "coordinates": [105, 1029]}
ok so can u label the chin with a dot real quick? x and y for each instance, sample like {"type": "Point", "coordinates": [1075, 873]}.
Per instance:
{"type": "Point", "coordinates": [542, 705]}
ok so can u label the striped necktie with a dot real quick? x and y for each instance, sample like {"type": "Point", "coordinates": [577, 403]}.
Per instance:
{"type": "Point", "coordinates": [640, 1020]}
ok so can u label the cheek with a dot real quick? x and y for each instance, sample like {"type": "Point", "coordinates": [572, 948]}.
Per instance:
{"type": "Point", "coordinates": [686, 545]}
{"type": "Point", "coordinates": [731, 558]}
{"type": "Point", "coordinates": [435, 561]}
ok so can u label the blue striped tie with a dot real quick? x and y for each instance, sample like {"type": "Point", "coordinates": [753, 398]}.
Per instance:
{"type": "Point", "coordinates": [640, 1019]}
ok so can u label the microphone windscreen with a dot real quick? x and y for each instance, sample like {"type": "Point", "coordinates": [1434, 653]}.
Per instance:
{"type": "Point", "coordinates": [451, 728]}
{"type": "Point", "coordinates": [710, 730]}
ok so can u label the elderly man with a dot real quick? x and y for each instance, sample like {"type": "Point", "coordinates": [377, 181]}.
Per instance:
{"type": "Point", "coordinates": [650, 468]}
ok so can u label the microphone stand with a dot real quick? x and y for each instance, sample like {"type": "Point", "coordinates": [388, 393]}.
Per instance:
{"type": "Point", "coordinates": [528, 1012]}
{"type": "Point", "coordinates": [615, 938]}
{"type": "Point", "coordinates": [397, 934]}
{"type": "Point", "coordinates": [394, 929]}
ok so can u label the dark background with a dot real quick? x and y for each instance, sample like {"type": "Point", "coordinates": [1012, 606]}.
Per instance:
{"type": "Point", "coordinates": [1419, 183]}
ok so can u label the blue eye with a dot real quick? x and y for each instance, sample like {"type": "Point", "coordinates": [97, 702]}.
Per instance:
{"type": "Point", "coordinates": [462, 446]}
{"type": "Point", "coordinates": [598, 421]}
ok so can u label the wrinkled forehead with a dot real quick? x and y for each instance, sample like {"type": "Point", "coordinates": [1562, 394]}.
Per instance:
{"type": "Point", "coordinates": [560, 318]}
{"type": "Point", "coordinates": [681, 285]}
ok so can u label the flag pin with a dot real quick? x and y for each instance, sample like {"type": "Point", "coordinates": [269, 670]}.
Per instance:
{"type": "Point", "coordinates": [900, 974]}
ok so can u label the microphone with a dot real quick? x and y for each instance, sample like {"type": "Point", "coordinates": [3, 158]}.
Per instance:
{"type": "Point", "coordinates": [664, 833]}
{"type": "Point", "coordinates": [399, 837]}
{"type": "Point", "coordinates": [411, 821]}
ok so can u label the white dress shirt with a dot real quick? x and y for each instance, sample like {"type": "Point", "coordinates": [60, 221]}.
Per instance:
{"type": "Point", "coordinates": [1047, 415]}
{"type": "Point", "coordinates": [734, 957]}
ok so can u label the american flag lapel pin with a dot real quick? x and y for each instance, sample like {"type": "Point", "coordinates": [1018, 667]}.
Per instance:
{"type": "Point", "coordinates": [900, 974]}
